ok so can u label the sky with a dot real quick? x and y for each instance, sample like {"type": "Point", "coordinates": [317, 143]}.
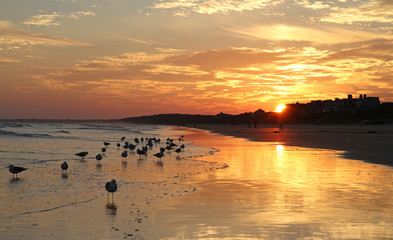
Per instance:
{"type": "Point", "coordinates": [100, 59]}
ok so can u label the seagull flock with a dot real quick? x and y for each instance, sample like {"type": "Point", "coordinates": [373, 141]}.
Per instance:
{"type": "Point", "coordinates": [111, 187]}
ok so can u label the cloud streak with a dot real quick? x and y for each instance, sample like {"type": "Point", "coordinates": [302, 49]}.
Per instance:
{"type": "Point", "coordinates": [13, 36]}
{"type": "Point", "coordinates": [184, 8]}
{"type": "Point", "coordinates": [331, 35]}
{"type": "Point", "coordinates": [50, 19]}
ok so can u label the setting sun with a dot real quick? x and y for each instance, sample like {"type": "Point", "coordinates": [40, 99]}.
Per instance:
{"type": "Point", "coordinates": [280, 108]}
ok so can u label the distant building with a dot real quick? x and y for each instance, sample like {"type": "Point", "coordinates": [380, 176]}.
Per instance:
{"type": "Point", "coordinates": [336, 105]}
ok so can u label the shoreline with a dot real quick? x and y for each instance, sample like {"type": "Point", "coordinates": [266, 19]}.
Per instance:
{"type": "Point", "coordinates": [369, 143]}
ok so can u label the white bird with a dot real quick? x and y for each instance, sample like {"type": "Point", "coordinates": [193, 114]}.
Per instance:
{"type": "Point", "coordinates": [15, 170]}
{"type": "Point", "coordinates": [111, 187]}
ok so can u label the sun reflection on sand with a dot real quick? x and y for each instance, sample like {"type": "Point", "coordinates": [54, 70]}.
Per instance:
{"type": "Point", "coordinates": [274, 191]}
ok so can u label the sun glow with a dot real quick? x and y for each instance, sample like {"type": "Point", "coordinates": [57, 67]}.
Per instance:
{"type": "Point", "coordinates": [280, 108]}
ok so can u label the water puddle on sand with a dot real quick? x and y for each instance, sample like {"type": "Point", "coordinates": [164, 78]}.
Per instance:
{"type": "Point", "coordinates": [271, 191]}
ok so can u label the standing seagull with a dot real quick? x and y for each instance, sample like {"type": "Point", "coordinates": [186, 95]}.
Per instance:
{"type": "Point", "coordinates": [124, 155]}
{"type": "Point", "coordinates": [64, 167]}
{"type": "Point", "coordinates": [178, 150]}
{"type": "Point", "coordinates": [111, 187]}
{"type": "Point", "coordinates": [82, 155]}
{"type": "Point", "coordinates": [15, 170]}
{"type": "Point", "coordinates": [99, 158]}
{"type": "Point", "coordinates": [159, 155]}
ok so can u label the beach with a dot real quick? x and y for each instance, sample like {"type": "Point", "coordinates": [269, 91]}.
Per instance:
{"type": "Point", "coordinates": [275, 191]}
{"type": "Point", "coordinates": [370, 143]}
{"type": "Point", "coordinates": [219, 187]}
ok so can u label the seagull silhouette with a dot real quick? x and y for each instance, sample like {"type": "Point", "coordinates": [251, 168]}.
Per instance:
{"type": "Point", "coordinates": [82, 155]}
{"type": "Point", "coordinates": [15, 170]}
{"type": "Point", "coordinates": [64, 167]}
{"type": "Point", "coordinates": [111, 187]}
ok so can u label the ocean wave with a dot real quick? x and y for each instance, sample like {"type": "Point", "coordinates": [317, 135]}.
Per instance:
{"type": "Point", "coordinates": [11, 124]}
{"type": "Point", "coordinates": [15, 134]}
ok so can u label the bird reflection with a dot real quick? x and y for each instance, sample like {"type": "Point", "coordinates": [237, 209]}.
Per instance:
{"type": "Point", "coordinates": [160, 163]}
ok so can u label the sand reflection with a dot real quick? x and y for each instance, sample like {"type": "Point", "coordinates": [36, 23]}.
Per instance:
{"type": "Point", "coordinates": [273, 191]}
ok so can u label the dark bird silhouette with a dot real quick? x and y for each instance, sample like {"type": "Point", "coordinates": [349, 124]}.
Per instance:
{"type": "Point", "coordinates": [15, 170]}
{"type": "Point", "coordinates": [98, 158]}
{"type": "Point", "coordinates": [136, 140]}
{"type": "Point", "coordinates": [178, 150]}
{"type": "Point", "coordinates": [182, 146]}
{"type": "Point", "coordinates": [131, 147]}
{"type": "Point", "coordinates": [106, 144]}
{"type": "Point", "coordinates": [124, 155]}
{"type": "Point", "coordinates": [140, 152]}
{"type": "Point", "coordinates": [172, 144]}
{"type": "Point", "coordinates": [103, 150]}
{"type": "Point", "coordinates": [162, 149]}
{"type": "Point", "coordinates": [122, 138]}
{"type": "Point", "coordinates": [82, 154]}
{"type": "Point", "coordinates": [159, 155]}
{"type": "Point", "coordinates": [111, 187]}
{"type": "Point", "coordinates": [64, 167]}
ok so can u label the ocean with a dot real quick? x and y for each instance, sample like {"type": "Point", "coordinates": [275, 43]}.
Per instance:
{"type": "Point", "coordinates": [43, 189]}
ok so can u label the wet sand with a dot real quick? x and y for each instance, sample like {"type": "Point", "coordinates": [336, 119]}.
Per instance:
{"type": "Point", "coordinates": [246, 190]}
{"type": "Point", "coordinates": [274, 191]}
{"type": "Point", "coordinates": [370, 143]}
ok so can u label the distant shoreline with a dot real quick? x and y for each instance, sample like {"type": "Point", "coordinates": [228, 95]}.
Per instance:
{"type": "Point", "coordinates": [369, 143]}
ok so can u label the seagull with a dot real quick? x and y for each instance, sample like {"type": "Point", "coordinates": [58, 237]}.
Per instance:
{"type": "Point", "coordinates": [82, 154]}
{"type": "Point", "coordinates": [124, 155]}
{"type": "Point", "coordinates": [159, 155]}
{"type": "Point", "coordinates": [171, 144]}
{"type": "Point", "coordinates": [103, 150]}
{"type": "Point", "coordinates": [15, 170]}
{"type": "Point", "coordinates": [111, 187]}
{"type": "Point", "coordinates": [64, 167]}
{"type": "Point", "coordinates": [178, 150]}
{"type": "Point", "coordinates": [98, 158]}
{"type": "Point", "coordinates": [140, 152]}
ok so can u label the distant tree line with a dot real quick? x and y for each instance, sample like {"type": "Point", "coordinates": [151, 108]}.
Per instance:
{"type": "Point", "coordinates": [380, 115]}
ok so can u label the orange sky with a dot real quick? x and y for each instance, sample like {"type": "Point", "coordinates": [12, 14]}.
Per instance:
{"type": "Point", "coordinates": [113, 59]}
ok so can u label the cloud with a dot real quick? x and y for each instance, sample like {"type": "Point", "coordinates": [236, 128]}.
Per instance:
{"type": "Point", "coordinates": [79, 15]}
{"type": "Point", "coordinates": [217, 80]}
{"type": "Point", "coordinates": [186, 7]}
{"type": "Point", "coordinates": [43, 20]}
{"type": "Point", "coordinates": [13, 36]}
{"type": "Point", "coordinates": [49, 19]}
{"type": "Point", "coordinates": [320, 35]}
{"type": "Point", "coordinates": [144, 42]}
